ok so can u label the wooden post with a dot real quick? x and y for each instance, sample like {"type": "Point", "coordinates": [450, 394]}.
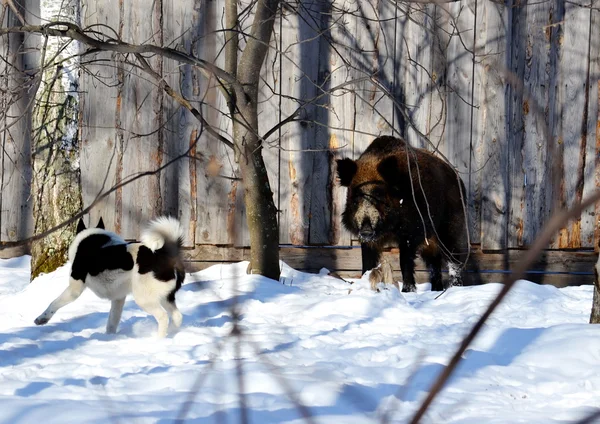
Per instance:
{"type": "Point", "coordinates": [495, 131]}
{"type": "Point", "coordinates": [101, 134]}
{"type": "Point", "coordinates": [16, 68]}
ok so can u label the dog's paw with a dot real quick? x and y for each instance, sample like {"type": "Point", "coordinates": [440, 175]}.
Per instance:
{"type": "Point", "coordinates": [176, 319]}
{"type": "Point", "coordinates": [41, 320]}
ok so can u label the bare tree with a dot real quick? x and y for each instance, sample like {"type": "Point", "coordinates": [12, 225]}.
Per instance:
{"type": "Point", "coordinates": [243, 104]}
{"type": "Point", "coordinates": [239, 83]}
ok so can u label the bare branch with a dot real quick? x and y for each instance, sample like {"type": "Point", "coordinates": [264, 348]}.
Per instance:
{"type": "Point", "coordinates": [74, 32]}
{"type": "Point", "coordinates": [181, 100]}
{"type": "Point", "coordinates": [15, 9]}
{"type": "Point", "coordinates": [231, 37]}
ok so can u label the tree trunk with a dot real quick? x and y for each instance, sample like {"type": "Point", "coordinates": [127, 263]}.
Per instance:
{"type": "Point", "coordinates": [595, 315]}
{"type": "Point", "coordinates": [261, 213]}
{"type": "Point", "coordinates": [55, 157]}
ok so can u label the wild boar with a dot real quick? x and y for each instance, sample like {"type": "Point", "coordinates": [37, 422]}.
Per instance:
{"type": "Point", "coordinates": [418, 207]}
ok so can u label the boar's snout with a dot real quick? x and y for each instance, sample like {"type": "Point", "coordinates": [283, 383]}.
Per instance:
{"type": "Point", "coordinates": [366, 232]}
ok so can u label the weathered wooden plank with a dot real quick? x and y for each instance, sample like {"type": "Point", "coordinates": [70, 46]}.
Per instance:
{"type": "Point", "coordinates": [478, 156]}
{"type": "Point", "coordinates": [459, 64]}
{"type": "Point", "coordinates": [536, 172]}
{"type": "Point", "coordinates": [15, 142]}
{"type": "Point", "coordinates": [141, 120]}
{"type": "Point", "coordinates": [100, 135]}
{"type": "Point", "coordinates": [559, 268]}
{"type": "Point", "coordinates": [342, 117]}
{"type": "Point", "coordinates": [384, 67]}
{"type": "Point", "coordinates": [219, 203]}
{"type": "Point", "coordinates": [403, 88]}
{"type": "Point", "coordinates": [449, 120]}
{"type": "Point", "coordinates": [220, 194]}
{"type": "Point", "coordinates": [515, 226]}
{"type": "Point", "coordinates": [461, 122]}
{"type": "Point", "coordinates": [415, 40]}
{"type": "Point", "coordinates": [372, 105]}
{"type": "Point", "coordinates": [348, 258]}
{"type": "Point", "coordinates": [574, 39]}
{"type": "Point", "coordinates": [324, 217]}
{"type": "Point", "coordinates": [494, 133]}
{"type": "Point", "coordinates": [593, 169]}
{"type": "Point", "coordinates": [437, 116]}
{"type": "Point", "coordinates": [181, 131]}
{"type": "Point", "coordinates": [299, 84]}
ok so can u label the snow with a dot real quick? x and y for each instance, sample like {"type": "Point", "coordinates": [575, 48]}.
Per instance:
{"type": "Point", "coordinates": [349, 354]}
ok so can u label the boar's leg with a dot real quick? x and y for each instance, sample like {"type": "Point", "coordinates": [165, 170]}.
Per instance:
{"type": "Point", "coordinates": [434, 263]}
{"type": "Point", "coordinates": [407, 266]}
{"type": "Point", "coordinates": [462, 264]}
{"type": "Point", "coordinates": [370, 256]}
{"type": "Point", "coordinates": [473, 276]}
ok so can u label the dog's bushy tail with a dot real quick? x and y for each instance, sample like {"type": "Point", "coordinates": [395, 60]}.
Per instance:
{"type": "Point", "coordinates": [164, 231]}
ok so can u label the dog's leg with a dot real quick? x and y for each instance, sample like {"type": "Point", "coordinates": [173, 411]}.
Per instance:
{"type": "Point", "coordinates": [116, 309]}
{"type": "Point", "coordinates": [174, 313]}
{"type": "Point", "coordinates": [76, 287]}
{"type": "Point", "coordinates": [159, 314]}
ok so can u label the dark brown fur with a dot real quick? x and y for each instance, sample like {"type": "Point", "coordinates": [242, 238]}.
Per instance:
{"type": "Point", "coordinates": [425, 217]}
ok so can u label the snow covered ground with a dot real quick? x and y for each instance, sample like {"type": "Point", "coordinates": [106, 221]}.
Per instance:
{"type": "Point", "coordinates": [349, 354]}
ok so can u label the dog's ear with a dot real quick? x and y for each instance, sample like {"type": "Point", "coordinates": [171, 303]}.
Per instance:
{"type": "Point", "coordinates": [100, 224]}
{"type": "Point", "coordinates": [346, 168]}
{"type": "Point", "coordinates": [80, 226]}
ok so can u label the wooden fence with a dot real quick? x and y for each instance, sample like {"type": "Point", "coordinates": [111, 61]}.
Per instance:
{"type": "Point", "coordinates": [481, 81]}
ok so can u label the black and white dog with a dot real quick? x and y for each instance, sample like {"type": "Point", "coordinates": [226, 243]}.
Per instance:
{"type": "Point", "coordinates": [112, 268]}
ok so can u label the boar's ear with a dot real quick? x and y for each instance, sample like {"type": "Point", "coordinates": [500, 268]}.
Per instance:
{"type": "Point", "coordinates": [80, 226]}
{"type": "Point", "coordinates": [388, 169]}
{"type": "Point", "coordinates": [100, 224]}
{"type": "Point", "coordinates": [346, 168]}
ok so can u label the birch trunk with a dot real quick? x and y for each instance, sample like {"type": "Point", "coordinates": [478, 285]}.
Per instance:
{"type": "Point", "coordinates": [55, 155]}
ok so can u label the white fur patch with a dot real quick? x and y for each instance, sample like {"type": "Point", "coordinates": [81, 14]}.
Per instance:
{"type": "Point", "coordinates": [160, 230]}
